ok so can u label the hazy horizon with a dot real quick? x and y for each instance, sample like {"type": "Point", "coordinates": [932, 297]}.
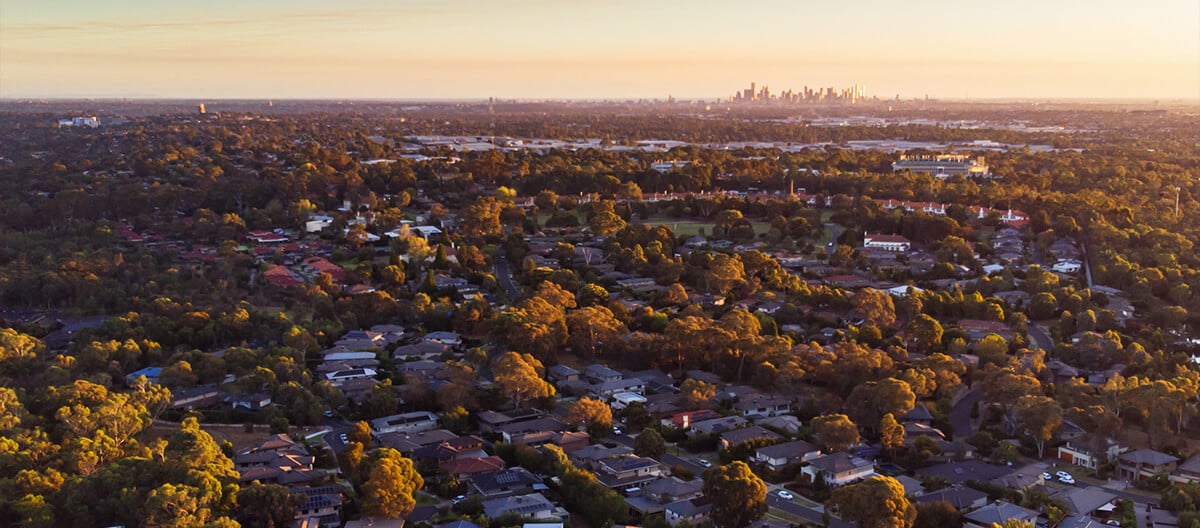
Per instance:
{"type": "Point", "coordinates": [457, 50]}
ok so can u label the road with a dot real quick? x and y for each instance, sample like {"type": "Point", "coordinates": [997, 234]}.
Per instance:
{"type": "Point", "coordinates": [960, 414]}
{"type": "Point", "coordinates": [810, 515]}
{"type": "Point", "coordinates": [504, 277]}
{"type": "Point", "coordinates": [835, 231]}
{"type": "Point", "coordinates": [1041, 337]}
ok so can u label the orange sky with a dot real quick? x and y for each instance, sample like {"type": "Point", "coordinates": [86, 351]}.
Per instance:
{"type": "Point", "coordinates": [597, 49]}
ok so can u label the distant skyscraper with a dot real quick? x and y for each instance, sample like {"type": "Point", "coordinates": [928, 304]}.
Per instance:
{"type": "Point", "coordinates": [201, 108]}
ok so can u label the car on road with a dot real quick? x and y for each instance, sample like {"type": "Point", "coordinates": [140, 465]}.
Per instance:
{"type": "Point", "coordinates": [1066, 479]}
{"type": "Point", "coordinates": [705, 463]}
{"type": "Point", "coordinates": [1047, 476]}
{"type": "Point", "coordinates": [785, 494]}
{"type": "Point", "coordinates": [343, 438]}
{"type": "Point", "coordinates": [617, 431]}
{"type": "Point", "coordinates": [459, 499]}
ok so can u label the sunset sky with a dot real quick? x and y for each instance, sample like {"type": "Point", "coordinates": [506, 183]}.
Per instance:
{"type": "Point", "coordinates": [411, 49]}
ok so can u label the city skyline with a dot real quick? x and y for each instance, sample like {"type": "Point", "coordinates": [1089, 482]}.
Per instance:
{"type": "Point", "coordinates": [615, 49]}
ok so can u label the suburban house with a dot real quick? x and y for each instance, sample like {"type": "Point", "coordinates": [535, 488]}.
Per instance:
{"type": "Point", "coordinates": [472, 465]}
{"type": "Point", "coordinates": [443, 338]}
{"type": "Point", "coordinates": [492, 421]}
{"type": "Point", "coordinates": [778, 456]}
{"type": "Point", "coordinates": [505, 483]}
{"type": "Point", "coordinates": [672, 489]}
{"type": "Point", "coordinates": [322, 504]}
{"type": "Point", "coordinates": [759, 405]}
{"type": "Point", "coordinates": [894, 243]}
{"type": "Point", "coordinates": [1084, 500]}
{"type": "Point", "coordinates": [1080, 452]}
{"type": "Point", "coordinates": [413, 422]}
{"type": "Point", "coordinates": [608, 389]}
{"type": "Point", "coordinates": [562, 373]}
{"type": "Point", "coordinates": [684, 420]}
{"type": "Point", "coordinates": [409, 443]}
{"type": "Point", "coordinates": [622, 400]}
{"type": "Point", "coordinates": [997, 513]}
{"type": "Point", "coordinates": [1145, 464]}
{"type": "Point", "coordinates": [694, 511]}
{"type": "Point", "coordinates": [731, 439]}
{"type": "Point", "coordinates": [533, 505]}
{"type": "Point", "coordinates": [1188, 471]}
{"type": "Point", "coordinates": [717, 425]}
{"type": "Point", "coordinates": [597, 373]}
{"type": "Point", "coordinates": [961, 497]}
{"type": "Point", "coordinates": [567, 440]}
{"type": "Point", "coordinates": [627, 470]}
{"type": "Point", "coordinates": [342, 376]}
{"type": "Point", "coordinates": [838, 469]}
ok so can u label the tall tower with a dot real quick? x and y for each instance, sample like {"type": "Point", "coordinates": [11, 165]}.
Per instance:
{"type": "Point", "coordinates": [201, 108]}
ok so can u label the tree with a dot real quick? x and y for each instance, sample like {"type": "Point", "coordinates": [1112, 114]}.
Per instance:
{"type": "Point", "coordinates": [606, 223]}
{"type": "Point", "coordinates": [877, 502]}
{"type": "Point", "coordinates": [891, 433]}
{"type": "Point", "coordinates": [649, 443]}
{"type": "Point", "coordinates": [835, 431]}
{"type": "Point", "coordinates": [361, 432]}
{"type": "Point", "coordinates": [481, 219]}
{"type": "Point", "coordinates": [518, 375]}
{"type": "Point", "coordinates": [925, 333]}
{"type": "Point", "coordinates": [391, 482]}
{"type": "Point", "coordinates": [940, 514]}
{"type": "Point", "coordinates": [590, 413]}
{"type": "Point", "coordinates": [694, 393]}
{"type": "Point", "coordinates": [1005, 387]}
{"type": "Point", "coordinates": [593, 327]}
{"type": "Point", "coordinates": [738, 496]}
{"type": "Point", "coordinates": [869, 402]}
{"type": "Point", "coordinates": [1039, 418]}
{"type": "Point", "coordinates": [268, 505]}
{"type": "Point", "coordinates": [875, 307]}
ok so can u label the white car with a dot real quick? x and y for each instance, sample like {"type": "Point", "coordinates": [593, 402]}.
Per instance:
{"type": "Point", "coordinates": [1062, 474]}
{"type": "Point", "coordinates": [344, 439]}
{"type": "Point", "coordinates": [1068, 479]}
{"type": "Point", "coordinates": [705, 463]}
{"type": "Point", "coordinates": [784, 494]}
{"type": "Point", "coordinates": [1047, 476]}
{"type": "Point", "coordinates": [617, 431]}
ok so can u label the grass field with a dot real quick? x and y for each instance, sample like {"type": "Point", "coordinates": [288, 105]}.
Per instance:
{"type": "Point", "coordinates": [693, 227]}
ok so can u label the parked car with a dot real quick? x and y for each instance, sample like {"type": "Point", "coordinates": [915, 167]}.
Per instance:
{"type": "Point", "coordinates": [1066, 479]}
{"type": "Point", "coordinates": [705, 463]}
{"type": "Point", "coordinates": [784, 494]}
{"type": "Point", "coordinates": [1047, 476]}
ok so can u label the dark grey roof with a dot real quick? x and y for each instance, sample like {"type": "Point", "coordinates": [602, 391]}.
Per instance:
{"type": "Point", "coordinates": [1147, 456]}
{"type": "Point", "coordinates": [747, 434]}
{"type": "Point", "coordinates": [839, 463]}
{"type": "Point", "coordinates": [959, 472]}
{"type": "Point", "coordinates": [919, 412]}
{"type": "Point", "coordinates": [793, 449]}
{"type": "Point", "coordinates": [690, 507]}
{"type": "Point", "coordinates": [960, 497]}
{"type": "Point", "coordinates": [998, 512]}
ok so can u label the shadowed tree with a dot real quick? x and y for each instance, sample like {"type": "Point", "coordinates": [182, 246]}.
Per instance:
{"type": "Point", "coordinates": [738, 496]}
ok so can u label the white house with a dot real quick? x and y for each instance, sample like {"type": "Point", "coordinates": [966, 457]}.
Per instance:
{"type": "Point", "coordinates": [413, 422]}
{"type": "Point", "coordinates": [622, 400]}
{"type": "Point", "coordinates": [894, 243]}
{"type": "Point", "coordinates": [317, 223]}
{"type": "Point", "coordinates": [1067, 266]}
{"type": "Point", "coordinates": [342, 376]}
